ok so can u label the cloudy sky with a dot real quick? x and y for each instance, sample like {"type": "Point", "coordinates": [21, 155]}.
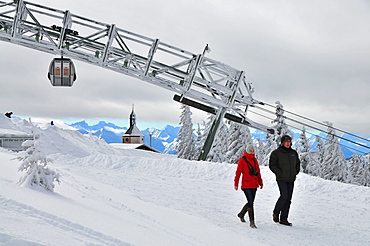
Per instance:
{"type": "Point", "coordinates": [311, 55]}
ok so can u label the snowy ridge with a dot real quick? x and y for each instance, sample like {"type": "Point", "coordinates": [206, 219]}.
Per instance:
{"type": "Point", "coordinates": [111, 196]}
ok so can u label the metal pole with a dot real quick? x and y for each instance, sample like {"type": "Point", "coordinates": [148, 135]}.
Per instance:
{"type": "Point", "coordinates": [211, 135]}
{"type": "Point", "coordinates": [151, 131]}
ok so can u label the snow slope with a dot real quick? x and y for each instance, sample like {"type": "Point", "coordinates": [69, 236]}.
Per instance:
{"type": "Point", "coordinates": [113, 196]}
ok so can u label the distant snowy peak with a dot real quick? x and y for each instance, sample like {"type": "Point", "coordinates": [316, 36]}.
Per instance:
{"type": "Point", "coordinates": [102, 124]}
{"type": "Point", "coordinates": [80, 125]}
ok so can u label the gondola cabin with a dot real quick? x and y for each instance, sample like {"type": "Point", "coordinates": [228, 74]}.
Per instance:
{"type": "Point", "coordinates": [62, 72]}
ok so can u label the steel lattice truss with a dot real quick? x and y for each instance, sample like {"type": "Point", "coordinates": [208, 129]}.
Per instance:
{"type": "Point", "coordinates": [197, 80]}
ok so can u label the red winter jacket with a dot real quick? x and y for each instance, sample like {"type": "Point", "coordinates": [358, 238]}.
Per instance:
{"type": "Point", "coordinates": [248, 181]}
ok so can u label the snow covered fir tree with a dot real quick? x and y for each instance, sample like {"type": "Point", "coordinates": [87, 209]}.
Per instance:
{"type": "Point", "coordinates": [219, 148]}
{"type": "Point", "coordinates": [34, 163]}
{"type": "Point", "coordinates": [238, 138]}
{"type": "Point", "coordinates": [320, 155]}
{"type": "Point", "coordinates": [186, 142]}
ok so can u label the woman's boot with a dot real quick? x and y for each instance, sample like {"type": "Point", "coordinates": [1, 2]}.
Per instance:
{"type": "Point", "coordinates": [251, 217]}
{"type": "Point", "coordinates": [242, 213]}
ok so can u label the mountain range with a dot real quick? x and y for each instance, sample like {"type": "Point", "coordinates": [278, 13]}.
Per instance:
{"type": "Point", "coordinates": [165, 140]}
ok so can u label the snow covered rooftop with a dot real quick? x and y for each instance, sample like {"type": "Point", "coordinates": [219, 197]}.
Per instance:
{"type": "Point", "coordinates": [9, 133]}
{"type": "Point", "coordinates": [133, 146]}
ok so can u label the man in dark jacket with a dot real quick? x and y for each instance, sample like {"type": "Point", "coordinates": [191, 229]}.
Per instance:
{"type": "Point", "coordinates": [285, 164]}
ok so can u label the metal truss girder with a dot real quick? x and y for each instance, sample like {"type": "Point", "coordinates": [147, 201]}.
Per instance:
{"type": "Point", "coordinates": [111, 36]}
{"type": "Point", "coordinates": [152, 51]}
{"type": "Point", "coordinates": [66, 24]}
{"type": "Point", "coordinates": [195, 76]}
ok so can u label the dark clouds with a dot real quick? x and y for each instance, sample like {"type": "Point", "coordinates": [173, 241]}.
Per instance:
{"type": "Point", "coordinates": [312, 56]}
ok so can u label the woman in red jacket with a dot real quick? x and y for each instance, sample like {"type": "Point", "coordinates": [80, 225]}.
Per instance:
{"type": "Point", "coordinates": [251, 180]}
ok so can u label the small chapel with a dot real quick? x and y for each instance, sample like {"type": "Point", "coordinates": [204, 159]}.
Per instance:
{"type": "Point", "coordinates": [133, 135]}
{"type": "Point", "coordinates": [133, 138]}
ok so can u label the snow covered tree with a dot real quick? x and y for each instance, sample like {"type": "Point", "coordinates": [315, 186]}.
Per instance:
{"type": "Point", "coordinates": [366, 164]}
{"type": "Point", "coordinates": [199, 141]}
{"type": "Point", "coordinates": [259, 150]}
{"type": "Point", "coordinates": [279, 123]}
{"type": "Point", "coordinates": [186, 143]}
{"type": "Point", "coordinates": [356, 170]}
{"type": "Point", "coordinates": [238, 139]}
{"type": "Point", "coordinates": [218, 150]}
{"type": "Point", "coordinates": [268, 147]}
{"type": "Point", "coordinates": [34, 163]}
{"type": "Point", "coordinates": [334, 164]}
{"type": "Point", "coordinates": [204, 133]}
{"type": "Point", "coordinates": [314, 167]}
{"type": "Point", "coordinates": [303, 149]}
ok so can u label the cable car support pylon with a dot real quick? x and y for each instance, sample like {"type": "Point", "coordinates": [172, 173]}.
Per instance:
{"type": "Point", "coordinates": [196, 80]}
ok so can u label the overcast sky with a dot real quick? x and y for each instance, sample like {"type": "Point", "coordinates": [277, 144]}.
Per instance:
{"type": "Point", "coordinates": [312, 55]}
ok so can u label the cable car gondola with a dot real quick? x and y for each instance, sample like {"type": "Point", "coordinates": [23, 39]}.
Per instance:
{"type": "Point", "coordinates": [62, 72]}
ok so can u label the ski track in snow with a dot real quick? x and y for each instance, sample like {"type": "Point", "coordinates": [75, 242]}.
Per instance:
{"type": "Point", "coordinates": [116, 182]}
{"type": "Point", "coordinates": [95, 194]}
{"type": "Point", "coordinates": [56, 224]}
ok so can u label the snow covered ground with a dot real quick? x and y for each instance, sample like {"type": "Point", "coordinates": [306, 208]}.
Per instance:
{"type": "Point", "coordinates": [110, 196]}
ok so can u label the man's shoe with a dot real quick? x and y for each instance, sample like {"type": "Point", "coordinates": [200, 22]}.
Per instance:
{"type": "Point", "coordinates": [275, 218]}
{"type": "Point", "coordinates": [285, 223]}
